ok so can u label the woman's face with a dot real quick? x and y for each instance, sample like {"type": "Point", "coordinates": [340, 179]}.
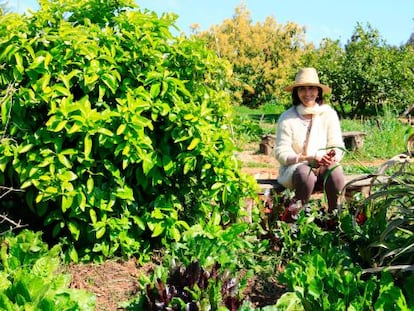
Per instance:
{"type": "Point", "coordinates": [308, 95]}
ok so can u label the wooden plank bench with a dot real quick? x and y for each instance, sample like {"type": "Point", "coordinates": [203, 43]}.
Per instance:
{"type": "Point", "coordinates": [353, 140]}
{"type": "Point", "coordinates": [362, 183]}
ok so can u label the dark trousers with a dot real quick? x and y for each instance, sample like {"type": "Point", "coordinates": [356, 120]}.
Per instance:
{"type": "Point", "coordinates": [306, 180]}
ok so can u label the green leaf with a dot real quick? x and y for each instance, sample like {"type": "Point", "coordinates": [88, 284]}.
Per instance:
{"type": "Point", "coordinates": [75, 128]}
{"type": "Point", "coordinates": [90, 184]}
{"type": "Point", "coordinates": [5, 108]}
{"type": "Point", "coordinates": [217, 186]}
{"type": "Point", "coordinates": [193, 143]}
{"type": "Point", "coordinates": [68, 77]}
{"type": "Point", "coordinates": [4, 281]}
{"type": "Point", "coordinates": [64, 160]}
{"type": "Point", "coordinates": [100, 232]}
{"type": "Point", "coordinates": [45, 82]}
{"type": "Point", "coordinates": [175, 233]}
{"type": "Point", "coordinates": [87, 146]}
{"type": "Point", "coordinates": [224, 195]}
{"type": "Point", "coordinates": [105, 132]}
{"type": "Point", "coordinates": [157, 214]}
{"type": "Point", "coordinates": [125, 193]}
{"type": "Point", "coordinates": [121, 129]}
{"type": "Point", "coordinates": [9, 51]}
{"type": "Point", "coordinates": [189, 164]}
{"type": "Point", "coordinates": [138, 221]}
{"type": "Point", "coordinates": [155, 90]}
{"type": "Point", "coordinates": [147, 163]}
{"type": "Point", "coordinates": [74, 229]}
{"type": "Point", "coordinates": [26, 184]}
{"type": "Point", "coordinates": [38, 61]}
{"type": "Point", "coordinates": [168, 164]}
{"type": "Point", "coordinates": [19, 62]}
{"type": "Point", "coordinates": [67, 202]}
{"type": "Point", "coordinates": [60, 90]}
{"type": "Point", "coordinates": [90, 80]}
{"type": "Point", "coordinates": [25, 148]}
{"type": "Point", "coordinates": [157, 230]}
{"type": "Point", "coordinates": [110, 81]}
{"type": "Point", "coordinates": [60, 126]}
{"type": "Point", "coordinates": [92, 215]}
{"type": "Point", "coordinates": [73, 254]}
{"type": "Point", "coordinates": [289, 302]}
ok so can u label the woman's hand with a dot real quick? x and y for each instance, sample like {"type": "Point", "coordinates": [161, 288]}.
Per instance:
{"type": "Point", "coordinates": [327, 159]}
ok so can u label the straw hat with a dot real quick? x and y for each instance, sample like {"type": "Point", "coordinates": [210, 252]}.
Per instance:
{"type": "Point", "coordinates": [308, 77]}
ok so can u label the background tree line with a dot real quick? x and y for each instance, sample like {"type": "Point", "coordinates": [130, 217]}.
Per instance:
{"type": "Point", "coordinates": [366, 74]}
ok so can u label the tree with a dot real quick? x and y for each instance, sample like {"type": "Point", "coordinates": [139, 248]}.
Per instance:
{"type": "Point", "coordinates": [366, 75]}
{"type": "Point", "coordinates": [262, 54]}
{"type": "Point", "coordinates": [115, 129]}
{"type": "Point", "coordinates": [378, 75]}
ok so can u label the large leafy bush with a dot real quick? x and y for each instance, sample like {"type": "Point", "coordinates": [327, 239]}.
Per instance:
{"type": "Point", "coordinates": [115, 129]}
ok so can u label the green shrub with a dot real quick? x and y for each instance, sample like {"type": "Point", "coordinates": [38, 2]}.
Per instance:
{"type": "Point", "coordinates": [116, 130]}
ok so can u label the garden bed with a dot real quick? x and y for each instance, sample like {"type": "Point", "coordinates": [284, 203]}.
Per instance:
{"type": "Point", "coordinates": [116, 281]}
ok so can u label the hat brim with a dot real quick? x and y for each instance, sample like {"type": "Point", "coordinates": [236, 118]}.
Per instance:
{"type": "Point", "coordinates": [325, 89]}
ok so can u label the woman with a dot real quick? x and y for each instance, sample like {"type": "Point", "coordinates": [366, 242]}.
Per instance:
{"type": "Point", "coordinates": [309, 142]}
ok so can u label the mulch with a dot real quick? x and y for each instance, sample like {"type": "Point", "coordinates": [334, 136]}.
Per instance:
{"type": "Point", "coordinates": [112, 282]}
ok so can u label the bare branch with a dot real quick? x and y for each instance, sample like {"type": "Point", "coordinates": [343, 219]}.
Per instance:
{"type": "Point", "coordinates": [14, 225]}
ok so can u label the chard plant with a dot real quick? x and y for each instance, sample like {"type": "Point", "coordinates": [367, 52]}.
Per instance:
{"type": "Point", "coordinates": [189, 287]}
{"type": "Point", "coordinates": [331, 283]}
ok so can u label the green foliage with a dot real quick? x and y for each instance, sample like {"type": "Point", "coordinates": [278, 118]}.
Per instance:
{"type": "Point", "coordinates": [385, 136]}
{"type": "Point", "coordinates": [323, 271]}
{"type": "Point", "coordinates": [235, 247]}
{"type": "Point", "coordinates": [247, 130]}
{"type": "Point", "coordinates": [300, 238]}
{"type": "Point", "coordinates": [202, 268]}
{"type": "Point", "coordinates": [339, 269]}
{"type": "Point", "coordinates": [116, 130]}
{"type": "Point", "coordinates": [30, 278]}
{"type": "Point", "coordinates": [386, 238]}
{"type": "Point", "coordinates": [367, 76]}
{"type": "Point", "coordinates": [189, 288]}
{"type": "Point", "coordinates": [328, 283]}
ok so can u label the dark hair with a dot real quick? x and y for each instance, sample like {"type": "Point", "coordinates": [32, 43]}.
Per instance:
{"type": "Point", "coordinates": [296, 101]}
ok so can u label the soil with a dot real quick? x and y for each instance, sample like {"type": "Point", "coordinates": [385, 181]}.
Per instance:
{"type": "Point", "coordinates": [114, 282]}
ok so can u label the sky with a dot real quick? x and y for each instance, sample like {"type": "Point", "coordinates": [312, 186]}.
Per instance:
{"type": "Point", "coordinates": [394, 19]}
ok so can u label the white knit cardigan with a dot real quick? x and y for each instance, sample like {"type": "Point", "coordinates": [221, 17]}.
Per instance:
{"type": "Point", "coordinates": [291, 131]}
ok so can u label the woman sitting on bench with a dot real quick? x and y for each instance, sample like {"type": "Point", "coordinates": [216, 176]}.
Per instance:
{"type": "Point", "coordinates": [309, 142]}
